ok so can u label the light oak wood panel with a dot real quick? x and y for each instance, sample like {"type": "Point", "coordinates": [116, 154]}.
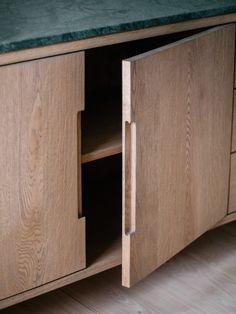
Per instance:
{"type": "Point", "coordinates": [111, 257]}
{"type": "Point", "coordinates": [73, 46]}
{"type": "Point", "coordinates": [232, 189]}
{"type": "Point", "coordinates": [102, 208]}
{"type": "Point", "coordinates": [101, 131]}
{"type": "Point", "coordinates": [41, 235]}
{"type": "Point", "coordinates": [233, 149]}
{"type": "Point", "coordinates": [177, 133]}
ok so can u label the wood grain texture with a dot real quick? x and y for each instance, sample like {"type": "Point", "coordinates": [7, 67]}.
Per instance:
{"type": "Point", "coordinates": [232, 189]}
{"type": "Point", "coordinates": [102, 131]}
{"type": "Point", "coordinates": [41, 236]}
{"type": "Point", "coordinates": [73, 46]}
{"type": "Point", "coordinates": [180, 98]}
{"type": "Point", "coordinates": [233, 147]}
{"type": "Point", "coordinates": [111, 257]}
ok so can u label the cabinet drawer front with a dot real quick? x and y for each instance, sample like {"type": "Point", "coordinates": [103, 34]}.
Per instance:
{"type": "Point", "coordinates": [232, 190]}
{"type": "Point", "coordinates": [41, 236]}
{"type": "Point", "coordinates": [177, 135]}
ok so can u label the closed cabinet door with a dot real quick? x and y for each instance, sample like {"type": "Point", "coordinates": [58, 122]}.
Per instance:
{"type": "Point", "coordinates": [42, 234]}
{"type": "Point", "coordinates": [177, 112]}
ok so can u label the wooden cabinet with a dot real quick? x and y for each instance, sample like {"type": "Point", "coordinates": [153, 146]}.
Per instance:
{"type": "Point", "coordinates": [58, 168]}
{"type": "Point", "coordinates": [42, 236]}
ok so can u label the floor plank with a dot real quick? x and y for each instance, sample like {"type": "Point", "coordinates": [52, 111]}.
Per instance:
{"type": "Point", "coordinates": [56, 302]}
{"type": "Point", "coordinates": [199, 280]}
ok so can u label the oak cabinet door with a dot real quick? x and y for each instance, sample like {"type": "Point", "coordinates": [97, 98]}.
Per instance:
{"type": "Point", "coordinates": [177, 112]}
{"type": "Point", "coordinates": [42, 236]}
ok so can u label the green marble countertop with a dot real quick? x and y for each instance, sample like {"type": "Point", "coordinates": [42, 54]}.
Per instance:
{"type": "Point", "coordinates": [34, 23]}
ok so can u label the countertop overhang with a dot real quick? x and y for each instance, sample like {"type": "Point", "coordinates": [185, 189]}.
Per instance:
{"type": "Point", "coordinates": [28, 24]}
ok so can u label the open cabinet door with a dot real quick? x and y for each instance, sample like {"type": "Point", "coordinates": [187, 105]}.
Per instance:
{"type": "Point", "coordinates": [177, 112]}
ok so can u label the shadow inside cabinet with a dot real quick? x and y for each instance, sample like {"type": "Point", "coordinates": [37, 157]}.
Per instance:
{"type": "Point", "coordinates": [102, 206]}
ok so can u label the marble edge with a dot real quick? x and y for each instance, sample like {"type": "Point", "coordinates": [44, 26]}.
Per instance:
{"type": "Point", "coordinates": [112, 29]}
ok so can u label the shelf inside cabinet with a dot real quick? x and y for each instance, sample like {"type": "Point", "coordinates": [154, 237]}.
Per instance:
{"type": "Point", "coordinates": [101, 120]}
{"type": "Point", "coordinates": [102, 207]}
{"type": "Point", "coordinates": [101, 130]}
{"type": "Point", "coordinates": [102, 256]}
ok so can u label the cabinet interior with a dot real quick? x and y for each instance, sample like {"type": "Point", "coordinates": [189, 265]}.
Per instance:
{"type": "Point", "coordinates": [102, 184]}
{"type": "Point", "coordinates": [101, 120]}
{"type": "Point", "coordinates": [102, 141]}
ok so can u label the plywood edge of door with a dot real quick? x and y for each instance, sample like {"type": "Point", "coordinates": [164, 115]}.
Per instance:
{"type": "Point", "coordinates": [110, 259]}
{"type": "Point", "coordinates": [99, 41]}
{"type": "Point", "coordinates": [127, 179]}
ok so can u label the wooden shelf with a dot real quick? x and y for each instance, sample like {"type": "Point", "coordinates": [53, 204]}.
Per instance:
{"type": "Point", "coordinates": [101, 131]}
{"type": "Point", "coordinates": [104, 254]}
{"type": "Point", "coordinates": [102, 207]}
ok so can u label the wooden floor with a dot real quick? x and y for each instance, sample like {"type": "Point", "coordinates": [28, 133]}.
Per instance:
{"type": "Point", "coordinates": [201, 279]}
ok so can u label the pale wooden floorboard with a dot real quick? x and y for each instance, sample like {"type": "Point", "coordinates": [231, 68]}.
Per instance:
{"type": "Point", "coordinates": [55, 302]}
{"type": "Point", "coordinates": [201, 279]}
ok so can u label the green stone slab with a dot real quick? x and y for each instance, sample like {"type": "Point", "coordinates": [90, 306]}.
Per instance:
{"type": "Point", "coordinates": [35, 23]}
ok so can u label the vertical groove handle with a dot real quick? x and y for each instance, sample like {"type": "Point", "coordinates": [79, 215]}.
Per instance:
{"type": "Point", "coordinates": [130, 178]}
{"type": "Point", "coordinates": [79, 168]}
